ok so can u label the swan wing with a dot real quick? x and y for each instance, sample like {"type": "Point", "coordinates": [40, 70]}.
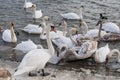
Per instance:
{"type": "Point", "coordinates": [70, 16]}
{"type": "Point", "coordinates": [35, 59]}
{"type": "Point", "coordinates": [28, 4]}
{"type": "Point", "coordinates": [26, 46]}
{"type": "Point", "coordinates": [111, 27]}
{"type": "Point", "coordinates": [32, 29]}
{"type": "Point", "coordinates": [6, 35]}
{"type": "Point", "coordinates": [38, 14]}
{"type": "Point", "coordinates": [94, 33]}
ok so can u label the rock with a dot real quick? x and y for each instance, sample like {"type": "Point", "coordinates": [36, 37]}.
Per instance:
{"type": "Point", "coordinates": [86, 71]}
{"type": "Point", "coordinates": [5, 74]}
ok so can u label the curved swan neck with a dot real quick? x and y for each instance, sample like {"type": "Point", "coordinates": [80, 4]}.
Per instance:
{"type": "Point", "coordinates": [13, 35]}
{"type": "Point", "coordinates": [114, 51]}
{"type": "Point", "coordinates": [70, 34]}
{"type": "Point", "coordinates": [84, 25]}
{"type": "Point", "coordinates": [49, 43]}
{"type": "Point", "coordinates": [65, 28]}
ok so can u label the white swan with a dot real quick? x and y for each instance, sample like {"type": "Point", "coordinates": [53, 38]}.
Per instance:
{"type": "Point", "coordinates": [37, 58]}
{"type": "Point", "coordinates": [108, 26]}
{"type": "Point", "coordinates": [35, 29]}
{"type": "Point", "coordinates": [26, 46]}
{"type": "Point", "coordinates": [104, 53]}
{"type": "Point", "coordinates": [27, 4]}
{"type": "Point", "coordinates": [111, 27]}
{"type": "Point", "coordinates": [93, 33]}
{"type": "Point", "coordinates": [84, 51]}
{"type": "Point", "coordinates": [32, 29]}
{"type": "Point", "coordinates": [36, 13]}
{"type": "Point", "coordinates": [72, 15]}
{"type": "Point", "coordinates": [9, 35]}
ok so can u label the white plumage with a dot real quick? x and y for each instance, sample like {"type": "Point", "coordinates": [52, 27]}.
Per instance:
{"type": "Point", "coordinates": [37, 13]}
{"type": "Point", "coordinates": [70, 16]}
{"type": "Point", "coordinates": [32, 29]}
{"type": "Point", "coordinates": [111, 27]}
{"type": "Point", "coordinates": [101, 53]}
{"type": "Point", "coordinates": [26, 46]}
{"type": "Point", "coordinates": [9, 35]}
{"type": "Point", "coordinates": [37, 58]}
{"type": "Point", "coordinates": [27, 4]}
{"type": "Point", "coordinates": [94, 33]}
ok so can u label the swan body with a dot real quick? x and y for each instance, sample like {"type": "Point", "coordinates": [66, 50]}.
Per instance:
{"type": "Point", "coordinates": [27, 4]}
{"type": "Point", "coordinates": [36, 59]}
{"type": "Point", "coordinates": [101, 54]}
{"type": "Point", "coordinates": [70, 16]}
{"type": "Point", "coordinates": [94, 33]}
{"type": "Point", "coordinates": [26, 46]}
{"type": "Point", "coordinates": [111, 27]}
{"type": "Point", "coordinates": [9, 35]}
{"type": "Point", "coordinates": [32, 29]}
{"type": "Point", "coordinates": [37, 13]}
{"type": "Point", "coordinates": [84, 51]}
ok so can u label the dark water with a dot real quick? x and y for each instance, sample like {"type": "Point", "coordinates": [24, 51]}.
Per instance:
{"type": "Point", "coordinates": [12, 10]}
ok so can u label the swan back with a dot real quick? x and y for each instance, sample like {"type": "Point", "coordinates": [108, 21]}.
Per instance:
{"type": "Point", "coordinates": [111, 27]}
{"type": "Point", "coordinates": [33, 60]}
{"type": "Point", "coordinates": [6, 35]}
{"type": "Point", "coordinates": [26, 46]}
{"type": "Point", "coordinates": [87, 49]}
{"type": "Point", "coordinates": [94, 33]}
{"type": "Point", "coordinates": [70, 15]}
{"type": "Point", "coordinates": [32, 29]}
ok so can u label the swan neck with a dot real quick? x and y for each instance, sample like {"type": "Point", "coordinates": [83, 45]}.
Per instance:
{"type": "Point", "coordinates": [13, 36]}
{"type": "Point", "coordinates": [81, 13]}
{"type": "Point", "coordinates": [49, 43]}
{"type": "Point", "coordinates": [70, 35]}
{"type": "Point", "coordinates": [115, 51]}
{"type": "Point", "coordinates": [65, 29]}
{"type": "Point", "coordinates": [85, 27]}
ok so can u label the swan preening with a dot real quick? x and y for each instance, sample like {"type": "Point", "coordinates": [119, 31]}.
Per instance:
{"type": "Point", "coordinates": [36, 59]}
{"type": "Point", "coordinates": [9, 35]}
{"type": "Point", "coordinates": [28, 4]}
{"type": "Point", "coordinates": [104, 53]}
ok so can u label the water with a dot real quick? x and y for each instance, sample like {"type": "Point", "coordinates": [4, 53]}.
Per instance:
{"type": "Point", "coordinates": [12, 10]}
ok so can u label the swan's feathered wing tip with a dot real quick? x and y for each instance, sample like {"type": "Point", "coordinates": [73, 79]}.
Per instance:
{"type": "Point", "coordinates": [18, 72]}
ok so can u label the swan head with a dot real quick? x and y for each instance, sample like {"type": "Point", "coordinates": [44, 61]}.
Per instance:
{"type": "Point", "coordinates": [11, 24]}
{"type": "Point", "coordinates": [53, 28]}
{"type": "Point", "coordinates": [34, 5]}
{"type": "Point", "coordinates": [47, 18]}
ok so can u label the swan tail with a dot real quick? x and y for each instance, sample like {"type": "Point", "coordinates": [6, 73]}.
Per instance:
{"type": "Point", "coordinates": [21, 71]}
